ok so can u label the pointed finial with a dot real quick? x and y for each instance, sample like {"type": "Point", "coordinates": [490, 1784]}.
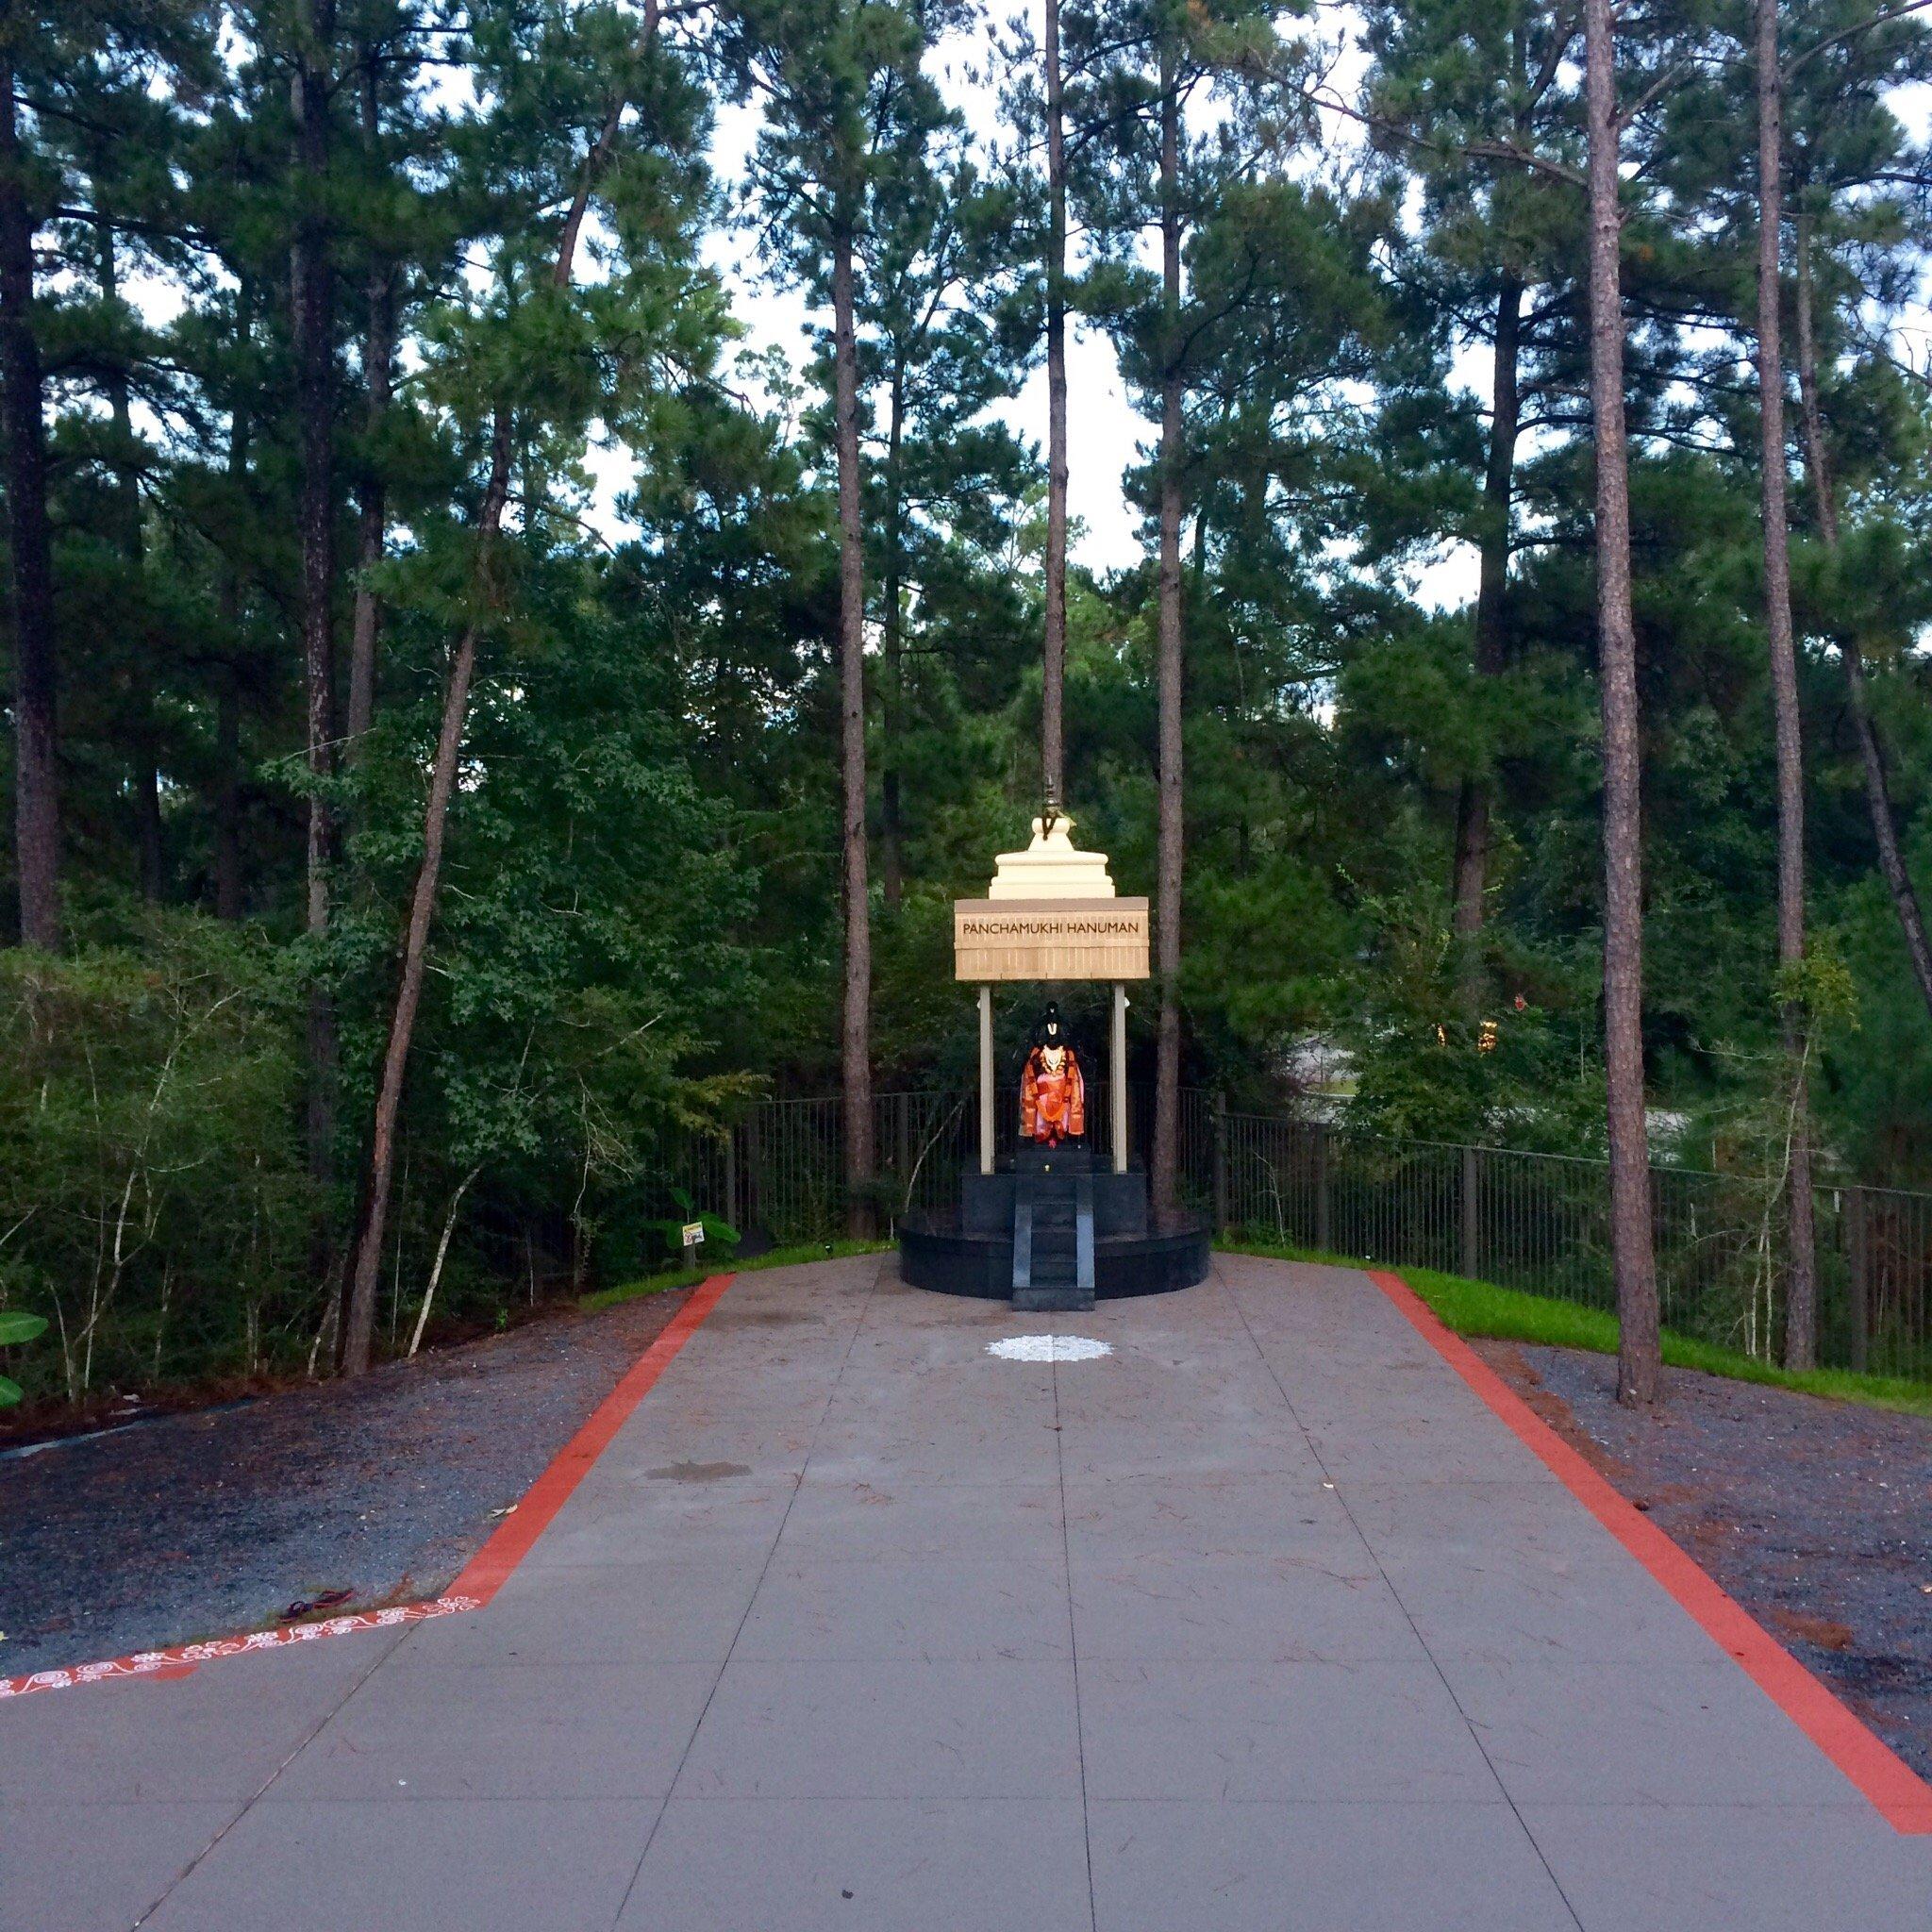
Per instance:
{"type": "Point", "coordinates": [1050, 808]}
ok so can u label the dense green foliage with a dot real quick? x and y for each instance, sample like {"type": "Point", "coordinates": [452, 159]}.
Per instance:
{"type": "Point", "coordinates": [636, 926]}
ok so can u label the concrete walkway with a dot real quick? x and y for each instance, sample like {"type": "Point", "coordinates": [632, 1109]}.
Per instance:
{"type": "Point", "coordinates": [1261, 1621]}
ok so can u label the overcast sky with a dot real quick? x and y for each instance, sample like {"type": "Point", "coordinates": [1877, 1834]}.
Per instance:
{"type": "Point", "coordinates": [1104, 430]}
{"type": "Point", "coordinates": [1106, 434]}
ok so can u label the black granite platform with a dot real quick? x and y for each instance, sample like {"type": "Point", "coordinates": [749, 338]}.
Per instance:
{"type": "Point", "coordinates": [971, 1250]}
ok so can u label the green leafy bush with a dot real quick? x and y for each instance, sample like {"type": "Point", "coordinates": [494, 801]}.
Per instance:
{"type": "Point", "coordinates": [720, 1242]}
{"type": "Point", "coordinates": [151, 1179]}
{"type": "Point", "coordinates": [13, 1330]}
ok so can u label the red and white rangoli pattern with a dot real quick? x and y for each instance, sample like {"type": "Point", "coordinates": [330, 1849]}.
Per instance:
{"type": "Point", "coordinates": [145, 1663]}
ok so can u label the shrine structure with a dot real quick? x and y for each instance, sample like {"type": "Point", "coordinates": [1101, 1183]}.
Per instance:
{"type": "Point", "coordinates": [1054, 1228]}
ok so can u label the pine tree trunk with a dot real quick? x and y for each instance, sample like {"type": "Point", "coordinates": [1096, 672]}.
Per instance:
{"type": "Point", "coordinates": [1164, 1180]}
{"type": "Point", "coordinates": [1633, 1259]}
{"type": "Point", "coordinates": [1801, 1281]}
{"type": "Point", "coordinates": [360, 1328]}
{"type": "Point", "coordinates": [311, 326]}
{"type": "Point", "coordinates": [227, 800]}
{"type": "Point", "coordinates": [892, 697]}
{"type": "Point", "coordinates": [1499, 485]}
{"type": "Point", "coordinates": [1891, 863]}
{"type": "Point", "coordinates": [856, 1047]}
{"type": "Point", "coordinates": [378, 355]}
{"type": "Point", "coordinates": [229, 794]}
{"type": "Point", "coordinates": [36, 763]}
{"type": "Point", "coordinates": [1053, 676]}
{"type": "Point", "coordinates": [147, 806]}
{"type": "Point", "coordinates": [145, 729]}
{"type": "Point", "coordinates": [379, 1175]}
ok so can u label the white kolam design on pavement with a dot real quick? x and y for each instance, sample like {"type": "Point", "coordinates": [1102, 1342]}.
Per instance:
{"type": "Point", "coordinates": [1049, 1348]}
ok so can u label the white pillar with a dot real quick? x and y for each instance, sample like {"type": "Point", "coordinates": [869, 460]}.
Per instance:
{"type": "Point", "coordinates": [986, 1080]}
{"type": "Point", "coordinates": [1118, 1078]}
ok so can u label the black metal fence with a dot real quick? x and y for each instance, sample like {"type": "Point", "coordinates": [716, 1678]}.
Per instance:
{"type": "Point", "coordinates": [1540, 1223]}
{"type": "Point", "coordinates": [1536, 1222]}
{"type": "Point", "coordinates": [782, 1169]}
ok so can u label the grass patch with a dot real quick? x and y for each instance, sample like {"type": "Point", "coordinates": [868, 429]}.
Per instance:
{"type": "Point", "coordinates": [690, 1278]}
{"type": "Point", "coordinates": [1509, 1314]}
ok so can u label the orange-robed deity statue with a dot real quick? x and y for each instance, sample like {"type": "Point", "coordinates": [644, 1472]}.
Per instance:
{"type": "Point", "coordinates": [1053, 1094]}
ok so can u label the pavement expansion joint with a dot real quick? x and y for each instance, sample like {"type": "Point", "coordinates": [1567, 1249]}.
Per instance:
{"type": "Point", "coordinates": [1297, 1621]}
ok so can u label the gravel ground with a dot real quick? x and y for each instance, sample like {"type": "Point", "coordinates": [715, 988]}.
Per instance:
{"type": "Point", "coordinates": [1816, 1516]}
{"type": "Point", "coordinates": [201, 1524]}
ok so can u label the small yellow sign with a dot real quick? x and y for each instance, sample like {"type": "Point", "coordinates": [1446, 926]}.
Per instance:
{"type": "Point", "coordinates": [694, 1233]}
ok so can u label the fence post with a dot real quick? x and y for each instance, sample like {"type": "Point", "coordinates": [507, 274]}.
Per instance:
{"type": "Point", "coordinates": [1220, 1163]}
{"type": "Point", "coordinates": [1324, 1241]}
{"type": "Point", "coordinates": [1857, 1256]}
{"type": "Point", "coordinates": [754, 1166]}
{"type": "Point", "coordinates": [1472, 1212]}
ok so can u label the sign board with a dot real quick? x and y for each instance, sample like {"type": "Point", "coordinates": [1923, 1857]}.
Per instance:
{"type": "Point", "coordinates": [1049, 939]}
{"type": "Point", "coordinates": [694, 1233]}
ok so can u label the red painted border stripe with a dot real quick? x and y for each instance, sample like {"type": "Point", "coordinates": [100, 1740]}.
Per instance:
{"type": "Point", "coordinates": [489, 1568]}
{"type": "Point", "coordinates": [1895, 1791]}
{"type": "Point", "coordinates": [486, 1572]}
